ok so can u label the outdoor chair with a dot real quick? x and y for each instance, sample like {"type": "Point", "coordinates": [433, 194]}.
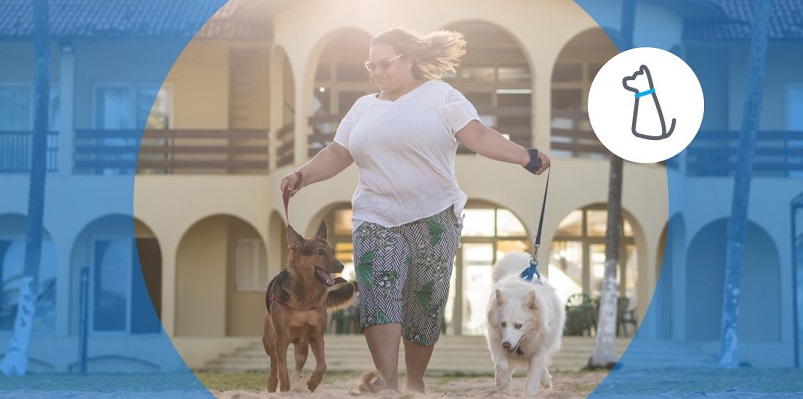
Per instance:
{"type": "Point", "coordinates": [625, 316]}
{"type": "Point", "coordinates": [579, 315]}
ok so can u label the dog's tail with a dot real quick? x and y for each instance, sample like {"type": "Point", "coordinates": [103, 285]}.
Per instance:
{"type": "Point", "coordinates": [340, 297]}
{"type": "Point", "coordinates": [512, 262]}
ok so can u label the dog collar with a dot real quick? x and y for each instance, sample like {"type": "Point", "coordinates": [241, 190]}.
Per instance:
{"type": "Point", "coordinates": [645, 93]}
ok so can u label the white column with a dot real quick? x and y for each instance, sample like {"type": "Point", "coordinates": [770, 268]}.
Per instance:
{"type": "Point", "coordinates": [542, 111]}
{"type": "Point", "coordinates": [169, 271]}
{"type": "Point", "coordinates": [276, 110]}
{"type": "Point", "coordinates": [301, 131]}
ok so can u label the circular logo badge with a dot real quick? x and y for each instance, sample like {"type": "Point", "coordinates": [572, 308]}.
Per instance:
{"type": "Point", "coordinates": [645, 105]}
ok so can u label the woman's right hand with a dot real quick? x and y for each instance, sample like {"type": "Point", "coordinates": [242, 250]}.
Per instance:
{"type": "Point", "coordinates": [292, 183]}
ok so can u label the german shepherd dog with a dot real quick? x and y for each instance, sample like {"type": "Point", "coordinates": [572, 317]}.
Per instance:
{"type": "Point", "coordinates": [297, 300]}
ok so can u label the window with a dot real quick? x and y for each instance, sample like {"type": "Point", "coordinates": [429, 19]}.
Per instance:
{"type": "Point", "coordinates": [12, 258]}
{"type": "Point", "coordinates": [119, 298]}
{"type": "Point", "coordinates": [15, 107]}
{"type": "Point", "coordinates": [577, 255]}
{"type": "Point", "coordinates": [571, 82]}
{"type": "Point", "coordinates": [252, 267]}
{"type": "Point", "coordinates": [16, 125]}
{"type": "Point", "coordinates": [488, 233]}
{"type": "Point", "coordinates": [135, 106]}
{"type": "Point", "coordinates": [126, 107]}
{"type": "Point", "coordinates": [794, 104]}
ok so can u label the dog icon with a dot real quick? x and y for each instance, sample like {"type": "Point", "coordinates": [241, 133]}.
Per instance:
{"type": "Point", "coordinates": [648, 119]}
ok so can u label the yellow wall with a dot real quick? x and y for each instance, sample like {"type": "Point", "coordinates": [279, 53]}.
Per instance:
{"type": "Point", "coordinates": [200, 280]}
{"type": "Point", "coordinates": [200, 81]}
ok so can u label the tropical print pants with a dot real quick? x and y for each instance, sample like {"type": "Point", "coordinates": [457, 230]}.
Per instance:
{"type": "Point", "coordinates": [403, 274]}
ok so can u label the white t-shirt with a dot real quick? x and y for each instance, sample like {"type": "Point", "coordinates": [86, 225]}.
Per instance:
{"type": "Point", "coordinates": [405, 151]}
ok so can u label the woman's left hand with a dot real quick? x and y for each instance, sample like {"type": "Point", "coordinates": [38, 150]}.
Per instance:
{"type": "Point", "coordinates": [545, 162]}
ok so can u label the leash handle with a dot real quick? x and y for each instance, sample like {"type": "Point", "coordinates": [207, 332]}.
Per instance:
{"type": "Point", "coordinates": [286, 195]}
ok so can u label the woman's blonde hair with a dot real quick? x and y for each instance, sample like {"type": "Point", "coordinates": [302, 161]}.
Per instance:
{"type": "Point", "coordinates": [432, 54]}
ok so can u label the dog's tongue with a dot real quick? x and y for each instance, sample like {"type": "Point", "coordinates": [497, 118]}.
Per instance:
{"type": "Point", "coordinates": [326, 277]}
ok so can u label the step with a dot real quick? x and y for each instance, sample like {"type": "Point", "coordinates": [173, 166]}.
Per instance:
{"type": "Point", "coordinates": [466, 354]}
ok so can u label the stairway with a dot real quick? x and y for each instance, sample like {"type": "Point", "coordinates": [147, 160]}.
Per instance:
{"type": "Point", "coordinates": [453, 354]}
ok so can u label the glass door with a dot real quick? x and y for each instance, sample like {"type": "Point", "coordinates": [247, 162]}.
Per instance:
{"type": "Point", "coordinates": [475, 267]}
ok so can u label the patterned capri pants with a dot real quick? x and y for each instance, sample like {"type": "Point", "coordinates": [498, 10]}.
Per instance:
{"type": "Point", "coordinates": [403, 273]}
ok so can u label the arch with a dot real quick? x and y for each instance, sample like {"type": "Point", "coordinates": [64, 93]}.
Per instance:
{"type": "Point", "coordinates": [489, 231]}
{"type": "Point", "coordinates": [119, 299]}
{"type": "Point", "coordinates": [577, 254]}
{"type": "Point", "coordinates": [337, 78]}
{"type": "Point", "coordinates": [13, 237]}
{"type": "Point", "coordinates": [221, 275]}
{"type": "Point", "coordinates": [149, 258]}
{"type": "Point", "coordinates": [575, 67]}
{"type": "Point", "coordinates": [496, 75]}
{"type": "Point", "coordinates": [759, 319]}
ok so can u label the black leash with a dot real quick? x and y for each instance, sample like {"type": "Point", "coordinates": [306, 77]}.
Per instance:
{"type": "Point", "coordinates": [532, 270]}
{"type": "Point", "coordinates": [286, 195]}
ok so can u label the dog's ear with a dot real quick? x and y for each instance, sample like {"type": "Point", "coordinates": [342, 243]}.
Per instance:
{"type": "Point", "coordinates": [530, 301]}
{"type": "Point", "coordinates": [321, 231]}
{"type": "Point", "coordinates": [294, 240]}
{"type": "Point", "coordinates": [500, 300]}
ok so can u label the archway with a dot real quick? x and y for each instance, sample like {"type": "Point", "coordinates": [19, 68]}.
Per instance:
{"type": "Point", "coordinates": [13, 229]}
{"type": "Point", "coordinates": [221, 277]}
{"type": "Point", "coordinates": [340, 79]}
{"type": "Point", "coordinates": [759, 314]}
{"type": "Point", "coordinates": [495, 75]}
{"type": "Point", "coordinates": [574, 70]}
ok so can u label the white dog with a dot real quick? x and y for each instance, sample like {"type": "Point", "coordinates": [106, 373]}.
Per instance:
{"type": "Point", "coordinates": [524, 324]}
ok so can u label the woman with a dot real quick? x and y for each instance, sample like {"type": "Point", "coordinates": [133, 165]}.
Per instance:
{"type": "Point", "coordinates": [407, 207]}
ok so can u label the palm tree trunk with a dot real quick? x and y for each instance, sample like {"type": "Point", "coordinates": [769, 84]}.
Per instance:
{"type": "Point", "coordinates": [15, 361]}
{"type": "Point", "coordinates": [604, 354]}
{"type": "Point", "coordinates": [729, 355]}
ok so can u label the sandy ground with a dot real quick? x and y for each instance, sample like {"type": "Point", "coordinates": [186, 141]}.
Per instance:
{"type": "Point", "coordinates": [565, 385]}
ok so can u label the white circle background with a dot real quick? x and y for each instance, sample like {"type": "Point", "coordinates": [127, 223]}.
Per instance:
{"type": "Point", "coordinates": [610, 105]}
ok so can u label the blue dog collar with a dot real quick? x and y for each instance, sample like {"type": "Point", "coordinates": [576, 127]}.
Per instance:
{"type": "Point", "coordinates": [645, 93]}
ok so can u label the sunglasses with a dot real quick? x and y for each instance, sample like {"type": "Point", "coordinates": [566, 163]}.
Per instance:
{"type": "Point", "coordinates": [383, 64]}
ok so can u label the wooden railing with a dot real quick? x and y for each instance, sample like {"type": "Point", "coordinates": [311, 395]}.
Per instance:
{"type": "Point", "coordinates": [15, 151]}
{"type": "Point", "coordinates": [777, 153]}
{"type": "Point", "coordinates": [712, 153]}
{"type": "Point", "coordinates": [171, 151]}
{"type": "Point", "coordinates": [285, 147]}
{"type": "Point", "coordinates": [572, 136]}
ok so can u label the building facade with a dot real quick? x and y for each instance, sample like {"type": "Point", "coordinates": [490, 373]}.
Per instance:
{"type": "Point", "coordinates": [261, 89]}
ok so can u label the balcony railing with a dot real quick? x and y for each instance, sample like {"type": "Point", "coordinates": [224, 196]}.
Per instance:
{"type": "Point", "coordinates": [712, 153]}
{"type": "Point", "coordinates": [171, 151]}
{"type": "Point", "coordinates": [572, 136]}
{"type": "Point", "coordinates": [15, 151]}
{"type": "Point", "coordinates": [777, 153]}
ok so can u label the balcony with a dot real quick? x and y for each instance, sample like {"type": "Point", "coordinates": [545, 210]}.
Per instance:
{"type": "Point", "coordinates": [171, 151]}
{"type": "Point", "coordinates": [15, 152]}
{"type": "Point", "coordinates": [194, 151]}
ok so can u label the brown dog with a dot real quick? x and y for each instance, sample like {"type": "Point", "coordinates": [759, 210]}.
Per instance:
{"type": "Point", "coordinates": [297, 300]}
